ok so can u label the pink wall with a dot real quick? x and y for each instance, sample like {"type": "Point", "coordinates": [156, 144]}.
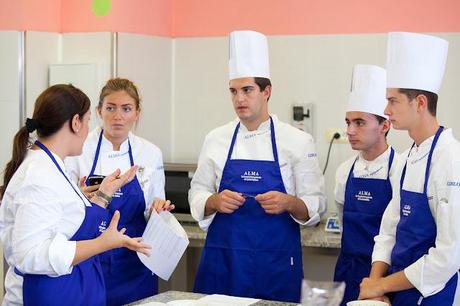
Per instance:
{"type": "Point", "coordinates": [284, 17]}
{"type": "Point", "coordinates": [191, 18]}
{"type": "Point", "coordinates": [152, 17]}
{"type": "Point", "coordinates": [38, 15]}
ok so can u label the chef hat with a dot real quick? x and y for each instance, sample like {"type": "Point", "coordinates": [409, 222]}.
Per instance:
{"type": "Point", "coordinates": [415, 61]}
{"type": "Point", "coordinates": [248, 55]}
{"type": "Point", "coordinates": [368, 90]}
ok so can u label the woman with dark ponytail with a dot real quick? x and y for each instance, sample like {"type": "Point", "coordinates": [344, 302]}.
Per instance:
{"type": "Point", "coordinates": [49, 230]}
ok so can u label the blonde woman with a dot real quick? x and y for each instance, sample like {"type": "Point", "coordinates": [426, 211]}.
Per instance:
{"type": "Point", "coordinates": [114, 146]}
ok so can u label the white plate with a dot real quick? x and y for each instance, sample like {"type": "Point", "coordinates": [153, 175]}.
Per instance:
{"type": "Point", "coordinates": [366, 303]}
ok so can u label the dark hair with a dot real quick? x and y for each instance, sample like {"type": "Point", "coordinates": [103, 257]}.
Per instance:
{"type": "Point", "coordinates": [54, 107]}
{"type": "Point", "coordinates": [262, 83]}
{"type": "Point", "coordinates": [430, 96]}
{"type": "Point", "coordinates": [119, 84]}
{"type": "Point", "coordinates": [381, 120]}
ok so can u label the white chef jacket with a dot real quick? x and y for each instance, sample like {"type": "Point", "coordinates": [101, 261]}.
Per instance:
{"type": "Point", "coordinates": [40, 212]}
{"type": "Point", "coordinates": [299, 166]}
{"type": "Point", "coordinates": [430, 273]}
{"type": "Point", "coordinates": [368, 169]}
{"type": "Point", "coordinates": [145, 154]}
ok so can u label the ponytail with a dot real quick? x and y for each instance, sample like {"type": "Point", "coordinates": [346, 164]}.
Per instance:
{"type": "Point", "coordinates": [53, 108]}
{"type": "Point", "coordinates": [20, 145]}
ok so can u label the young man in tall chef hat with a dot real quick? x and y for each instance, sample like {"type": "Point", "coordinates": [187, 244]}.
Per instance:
{"type": "Point", "coordinates": [363, 188]}
{"type": "Point", "coordinates": [257, 180]}
{"type": "Point", "coordinates": [417, 252]}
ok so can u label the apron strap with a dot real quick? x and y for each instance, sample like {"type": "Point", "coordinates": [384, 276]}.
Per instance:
{"type": "Point", "coordinates": [274, 148]}
{"type": "Point", "coordinates": [390, 161]}
{"type": "Point", "coordinates": [44, 148]}
{"type": "Point", "coordinates": [350, 173]}
{"type": "Point", "coordinates": [232, 144]}
{"type": "Point", "coordinates": [131, 159]}
{"type": "Point", "coordinates": [403, 174]}
{"type": "Point", "coordinates": [427, 169]}
{"type": "Point", "coordinates": [96, 155]}
{"type": "Point", "coordinates": [273, 140]}
{"type": "Point", "coordinates": [433, 145]}
{"type": "Point", "coordinates": [98, 150]}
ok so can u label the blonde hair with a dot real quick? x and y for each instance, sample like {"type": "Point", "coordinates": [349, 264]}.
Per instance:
{"type": "Point", "coordinates": [119, 84]}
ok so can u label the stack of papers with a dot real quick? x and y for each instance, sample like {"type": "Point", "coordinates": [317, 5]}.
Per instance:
{"type": "Point", "coordinates": [168, 240]}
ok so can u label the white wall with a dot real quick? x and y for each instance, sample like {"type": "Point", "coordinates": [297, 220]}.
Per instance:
{"type": "Point", "coordinates": [9, 94]}
{"type": "Point", "coordinates": [42, 49]}
{"type": "Point", "coordinates": [9, 103]}
{"type": "Point", "coordinates": [89, 48]}
{"type": "Point", "coordinates": [45, 48]}
{"type": "Point", "coordinates": [147, 61]}
{"type": "Point", "coordinates": [313, 68]}
{"type": "Point", "coordinates": [201, 93]}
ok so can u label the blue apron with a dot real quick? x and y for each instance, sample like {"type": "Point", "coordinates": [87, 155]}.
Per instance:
{"type": "Point", "coordinates": [85, 285]}
{"type": "Point", "coordinates": [126, 278]}
{"type": "Point", "coordinates": [251, 253]}
{"type": "Point", "coordinates": [365, 202]}
{"type": "Point", "coordinates": [415, 235]}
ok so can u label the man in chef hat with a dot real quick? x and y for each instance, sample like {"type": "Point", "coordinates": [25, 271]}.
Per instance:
{"type": "Point", "coordinates": [417, 252]}
{"type": "Point", "coordinates": [257, 179]}
{"type": "Point", "coordinates": [363, 188]}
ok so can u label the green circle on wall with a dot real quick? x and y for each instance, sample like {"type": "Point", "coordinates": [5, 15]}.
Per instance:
{"type": "Point", "coordinates": [101, 7]}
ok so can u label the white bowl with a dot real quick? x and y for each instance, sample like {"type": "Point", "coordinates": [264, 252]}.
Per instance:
{"type": "Point", "coordinates": [366, 303]}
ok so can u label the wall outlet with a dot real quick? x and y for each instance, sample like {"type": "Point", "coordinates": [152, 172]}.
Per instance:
{"type": "Point", "coordinates": [330, 133]}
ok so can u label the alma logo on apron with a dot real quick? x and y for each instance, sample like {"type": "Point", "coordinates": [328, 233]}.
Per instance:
{"type": "Point", "coordinates": [117, 194]}
{"type": "Point", "coordinates": [102, 226]}
{"type": "Point", "coordinates": [251, 176]}
{"type": "Point", "coordinates": [406, 210]}
{"type": "Point", "coordinates": [364, 195]}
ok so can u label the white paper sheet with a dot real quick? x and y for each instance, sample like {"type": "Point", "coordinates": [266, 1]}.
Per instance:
{"type": "Point", "coordinates": [219, 299]}
{"type": "Point", "coordinates": [168, 240]}
{"type": "Point", "coordinates": [210, 300]}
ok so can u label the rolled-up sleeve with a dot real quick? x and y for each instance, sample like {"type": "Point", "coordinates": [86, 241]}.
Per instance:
{"type": "Point", "coordinates": [37, 245]}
